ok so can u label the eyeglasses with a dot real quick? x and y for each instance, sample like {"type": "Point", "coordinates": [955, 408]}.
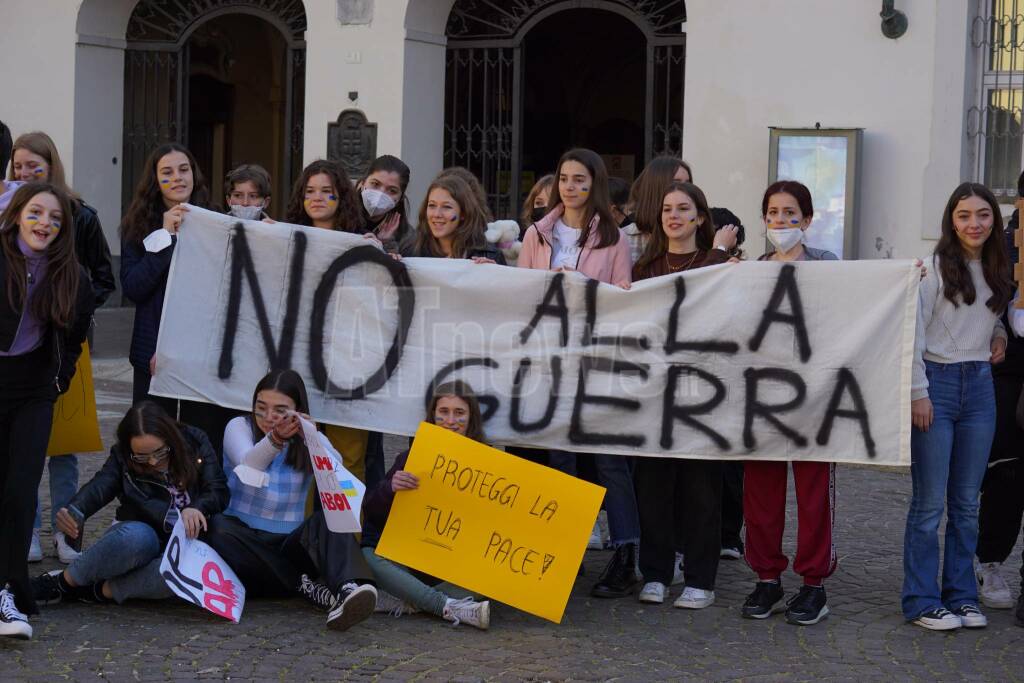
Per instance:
{"type": "Point", "coordinates": [158, 455]}
{"type": "Point", "coordinates": [279, 413]}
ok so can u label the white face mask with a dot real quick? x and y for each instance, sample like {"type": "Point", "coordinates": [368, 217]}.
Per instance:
{"type": "Point", "coordinates": [247, 213]}
{"type": "Point", "coordinates": [785, 239]}
{"type": "Point", "coordinates": [376, 202]}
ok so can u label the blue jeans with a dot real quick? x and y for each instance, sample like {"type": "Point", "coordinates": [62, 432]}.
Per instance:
{"type": "Point", "coordinates": [619, 500]}
{"type": "Point", "coordinates": [948, 463]}
{"type": "Point", "coordinates": [128, 558]}
{"type": "Point", "coordinates": [63, 487]}
{"type": "Point", "coordinates": [404, 585]}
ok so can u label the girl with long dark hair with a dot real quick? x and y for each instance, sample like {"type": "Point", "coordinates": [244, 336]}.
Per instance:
{"type": "Point", "coordinates": [959, 337]}
{"type": "Point", "coordinates": [579, 233]}
{"type": "Point", "coordinates": [645, 197]}
{"type": "Point", "coordinates": [385, 206]}
{"type": "Point", "coordinates": [264, 534]}
{"type": "Point", "coordinates": [35, 158]}
{"type": "Point", "coordinates": [323, 197]}
{"type": "Point", "coordinates": [46, 304]}
{"type": "Point", "coordinates": [681, 498]}
{"type": "Point", "coordinates": [158, 471]}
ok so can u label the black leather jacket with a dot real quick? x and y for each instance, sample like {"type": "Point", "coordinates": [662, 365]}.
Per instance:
{"type": "Point", "coordinates": [93, 252]}
{"type": "Point", "coordinates": [146, 499]}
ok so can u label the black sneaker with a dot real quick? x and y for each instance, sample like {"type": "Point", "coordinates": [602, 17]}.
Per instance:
{"type": "Point", "coordinates": [319, 595]}
{"type": "Point", "coordinates": [355, 603]}
{"type": "Point", "coordinates": [764, 601]}
{"type": "Point", "coordinates": [619, 576]}
{"type": "Point", "coordinates": [46, 588]}
{"type": "Point", "coordinates": [807, 607]}
{"type": "Point", "coordinates": [13, 623]}
{"type": "Point", "coordinates": [970, 616]}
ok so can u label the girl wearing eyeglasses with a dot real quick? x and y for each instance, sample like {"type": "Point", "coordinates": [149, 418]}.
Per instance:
{"type": "Point", "coordinates": [159, 471]}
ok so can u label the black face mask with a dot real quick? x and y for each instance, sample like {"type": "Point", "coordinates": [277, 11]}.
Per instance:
{"type": "Point", "coordinates": [538, 213]}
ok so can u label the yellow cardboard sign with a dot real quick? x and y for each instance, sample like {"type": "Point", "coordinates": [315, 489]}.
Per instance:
{"type": "Point", "coordinates": [76, 428]}
{"type": "Point", "coordinates": [491, 523]}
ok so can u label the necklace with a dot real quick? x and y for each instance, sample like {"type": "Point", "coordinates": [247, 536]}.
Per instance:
{"type": "Point", "coordinates": [682, 267]}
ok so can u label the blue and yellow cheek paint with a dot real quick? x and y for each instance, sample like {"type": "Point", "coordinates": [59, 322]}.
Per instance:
{"type": "Point", "coordinates": [164, 182]}
{"type": "Point", "coordinates": [38, 172]}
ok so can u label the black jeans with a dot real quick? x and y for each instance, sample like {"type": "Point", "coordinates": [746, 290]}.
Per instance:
{"type": "Point", "coordinates": [1002, 491]}
{"type": "Point", "coordinates": [270, 564]}
{"type": "Point", "coordinates": [24, 433]}
{"type": "Point", "coordinates": [667, 488]}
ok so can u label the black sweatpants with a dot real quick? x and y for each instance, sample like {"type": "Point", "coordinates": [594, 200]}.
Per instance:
{"type": "Point", "coordinates": [24, 434]}
{"type": "Point", "coordinates": [679, 500]}
{"type": "Point", "coordinates": [1002, 490]}
{"type": "Point", "coordinates": [270, 564]}
{"type": "Point", "coordinates": [732, 504]}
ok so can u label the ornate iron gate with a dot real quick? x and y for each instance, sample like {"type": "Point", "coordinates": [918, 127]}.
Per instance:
{"type": "Point", "coordinates": [484, 83]}
{"type": "Point", "coordinates": [157, 70]}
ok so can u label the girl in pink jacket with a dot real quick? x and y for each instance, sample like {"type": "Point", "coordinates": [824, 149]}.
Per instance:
{"type": "Point", "coordinates": [579, 233]}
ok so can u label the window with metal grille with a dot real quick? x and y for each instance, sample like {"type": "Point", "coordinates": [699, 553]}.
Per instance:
{"type": "Point", "coordinates": [994, 120]}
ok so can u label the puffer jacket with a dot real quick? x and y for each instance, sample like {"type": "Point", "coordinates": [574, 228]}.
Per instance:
{"type": "Point", "coordinates": [609, 264]}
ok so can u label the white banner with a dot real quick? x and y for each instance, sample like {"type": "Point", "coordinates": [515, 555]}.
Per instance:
{"type": "Point", "coordinates": [196, 573]}
{"type": "Point", "coordinates": [341, 493]}
{"type": "Point", "coordinates": [756, 360]}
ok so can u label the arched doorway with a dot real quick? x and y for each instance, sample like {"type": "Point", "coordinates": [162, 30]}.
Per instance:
{"type": "Point", "coordinates": [525, 82]}
{"type": "Point", "coordinates": [228, 81]}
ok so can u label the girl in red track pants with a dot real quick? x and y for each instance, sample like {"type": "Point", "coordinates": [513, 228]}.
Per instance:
{"type": "Point", "coordinates": [764, 511]}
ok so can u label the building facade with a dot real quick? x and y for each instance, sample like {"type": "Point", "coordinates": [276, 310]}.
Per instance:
{"type": "Point", "coordinates": [504, 86]}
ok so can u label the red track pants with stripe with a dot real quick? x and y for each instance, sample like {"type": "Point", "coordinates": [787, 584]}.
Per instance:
{"type": "Point", "coordinates": [764, 511]}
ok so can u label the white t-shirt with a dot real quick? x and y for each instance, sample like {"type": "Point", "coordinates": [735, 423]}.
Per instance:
{"type": "Point", "coordinates": [565, 251]}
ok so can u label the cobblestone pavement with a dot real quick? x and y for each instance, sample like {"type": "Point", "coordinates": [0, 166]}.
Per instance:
{"type": "Point", "coordinates": [864, 639]}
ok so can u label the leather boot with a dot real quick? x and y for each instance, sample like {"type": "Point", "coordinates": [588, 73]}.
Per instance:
{"type": "Point", "coordinates": [619, 577]}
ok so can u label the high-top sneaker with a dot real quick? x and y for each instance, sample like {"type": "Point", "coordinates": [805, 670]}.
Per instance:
{"type": "Point", "coordinates": [317, 594]}
{"type": "Point", "coordinates": [13, 623]}
{"type": "Point", "coordinates": [619, 576]}
{"type": "Point", "coordinates": [355, 603]}
{"type": "Point", "coordinates": [468, 611]}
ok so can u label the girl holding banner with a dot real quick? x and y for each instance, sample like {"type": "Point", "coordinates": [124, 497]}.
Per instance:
{"type": "Point", "coordinates": [453, 406]}
{"type": "Point", "coordinates": [959, 336]}
{"type": "Point", "coordinates": [46, 304]}
{"type": "Point", "coordinates": [159, 470]}
{"type": "Point", "coordinates": [452, 223]}
{"type": "Point", "coordinates": [264, 534]}
{"type": "Point", "coordinates": [170, 179]}
{"type": "Point", "coordinates": [673, 492]}
{"type": "Point", "coordinates": [36, 158]}
{"type": "Point", "coordinates": [579, 233]}
{"type": "Point", "coordinates": [645, 198]}
{"type": "Point", "coordinates": [323, 197]}
{"type": "Point", "coordinates": [787, 211]}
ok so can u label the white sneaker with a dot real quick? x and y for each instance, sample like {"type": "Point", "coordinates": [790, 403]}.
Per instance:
{"type": "Point", "coordinates": [12, 622]}
{"type": "Point", "coordinates": [468, 611]}
{"type": "Point", "coordinates": [695, 598]}
{"type": "Point", "coordinates": [65, 553]}
{"type": "Point", "coordinates": [35, 550]}
{"type": "Point", "coordinates": [939, 619]}
{"type": "Point", "coordinates": [652, 593]}
{"type": "Point", "coordinates": [971, 616]}
{"type": "Point", "coordinates": [993, 590]}
{"type": "Point", "coordinates": [596, 542]}
{"type": "Point", "coordinates": [390, 604]}
{"type": "Point", "coordinates": [677, 573]}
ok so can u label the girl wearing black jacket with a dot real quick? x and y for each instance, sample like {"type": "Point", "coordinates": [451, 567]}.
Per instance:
{"type": "Point", "coordinates": [45, 308]}
{"type": "Point", "coordinates": [452, 223]}
{"type": "Point", "coordinates": [35, 158]}
{"type": "Point", "coordinates": [159, 471]}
